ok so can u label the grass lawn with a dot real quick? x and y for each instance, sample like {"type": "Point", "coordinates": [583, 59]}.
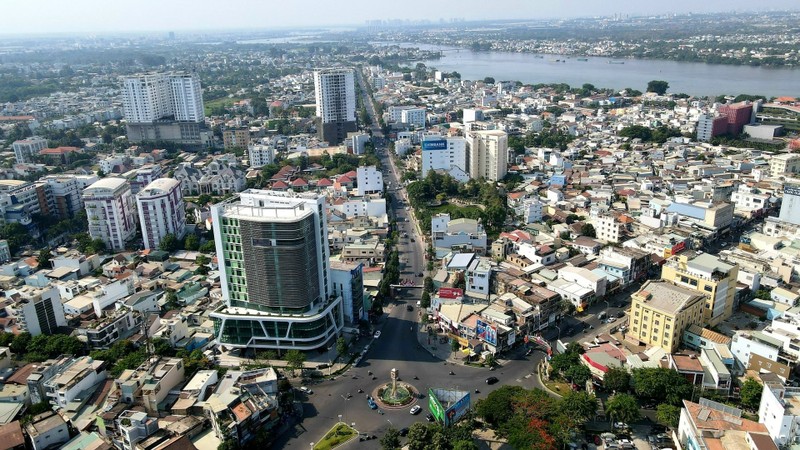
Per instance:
{"type": "Point", "coordinates": [559, 387]}
{"type": "Point", "coordinates": [449, 208]}
{"type": "Point", "coordinates": [338, 435]}
{"type": "Point", "coordinates": [224, 102]}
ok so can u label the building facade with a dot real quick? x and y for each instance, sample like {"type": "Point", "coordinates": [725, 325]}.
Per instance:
{"type": "Point", "coordinates": [443, 153]}
{"type": "Point", "coordinates": [709, 276]}
{"type": "Point", "coordinates": [274, 262]}
{"type": "Point", "coordinates": [26, 149]}
{"type": "Point", "coordinates": [336, 103]}
{"type": "Point", "coordinates": [660, 311]}
{"type": "Point", "coordinates": [161, 211]}
{"type": "Point", "coordinates": [235, 138]}
{"type": "Point", "coordinates": [369, 179]}
{"type": "Point", "coordinates": [487, 154]}
{"type": "Point", "coordinates": [110, 211]}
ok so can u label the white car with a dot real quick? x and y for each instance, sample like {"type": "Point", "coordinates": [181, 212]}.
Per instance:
{"type": "Point", "coordinates": [415, 410]}
{"type": "Point", "coordinates": [377, 334]}
{"type": "Point", "coordinates": [306, 390]}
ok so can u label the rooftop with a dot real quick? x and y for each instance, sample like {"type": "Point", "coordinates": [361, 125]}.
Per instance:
{"type": "Point", "coordinates": [667, 297]}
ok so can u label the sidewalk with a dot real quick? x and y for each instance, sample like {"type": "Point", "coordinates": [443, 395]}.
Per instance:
{"type": "Point", "coordinates": [432, 345]}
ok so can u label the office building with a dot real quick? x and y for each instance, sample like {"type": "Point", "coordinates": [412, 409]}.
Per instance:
{"type": "Point", "coordinates": [487, 154]}
{"type": "Point", "coordinates": [738, 115]}
{"type": "Point", "coordinates": [161, 211]}
{"type": "Point", "coordinates": [449, 154]}
{"type": "Point", "coordinates": [66, 192]}
{"type": "Point", "coordinates": [414, 117]}
{"type": "Point", "coordinates": [163, 107]}
{"type": "Point", "coordinates": [26, 149]}
{"type": "Point", "coordinates": [709, 126]}
{"type": "Point", "coordinates": [41, 311]}
{"type": "Point", "coordinates": [336, 103]}
{"type": "Point", "coordinates": [235, 138]}
{"type": "Point", "coordinates": [709, 276]}
{"type": "Point", "coordinates": [790, 206]}
{"type": "Point", "coordinates": [110, 210]}
{"type": "Point", "coordinates": [347, 282]}
{"type": "Point", "coordinates": [274, 265]}
{"type": "Point", "coordinates": [660, 311]}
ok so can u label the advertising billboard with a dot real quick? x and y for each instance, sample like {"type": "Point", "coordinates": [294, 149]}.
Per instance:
{"type": "Point", "coordinates": [457, 410]}
{"type": "Point", "coordinates": [434, 144]}
{"type": "Point", "coordinates": [437, 410]}
{"type": "Point", "coordinates": [486, 332]}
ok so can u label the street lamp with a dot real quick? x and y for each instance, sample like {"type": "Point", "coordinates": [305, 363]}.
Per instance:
{"type": "Point", "coordinates": [345, 405]}
{"type": "Point", "coordinates": [390, 423]}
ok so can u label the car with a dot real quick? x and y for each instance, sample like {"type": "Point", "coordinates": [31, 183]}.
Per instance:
{"type": "Point", "coordinates": [621, 314]}
{"type": "Point", "coordinates": [492, 380]}
{"type": "Point", "coordinates": [420, 274]}
{"type": "Point", "coordinates": [306, 390]}
{"type": "Point", "coordinates": [429, 417]}
{"type": "Point", "coordinates": [413, 240]}
{"type": "Point", "coordinates": [403, 432]}
{"type": "Point", "coordinates": [409, 308]}
{"type": "Point", "coordinates": [377, 334]}
{"type": "Point", "coordinates": [371, 403]}
{"type": "Point", "coordinates": [602, 315]}
{"type": "Point", "coordinates": [419, 303]}
{"type": "Point", "coordinates": [611, 320]}
{"type": "Point", "coordinates": [415, 410]}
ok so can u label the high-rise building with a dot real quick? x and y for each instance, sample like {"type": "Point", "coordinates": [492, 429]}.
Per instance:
{"type": "Point", "coordinates": [26, 149]}
{"type": "Point", "coordinates": [235, 138]}
{"type": "Point", "coordinates": [790, 206]}
{"type": "Point", "coordinates": [369, 179]}
{"type": "Point", "coordinates": [66, 192]}
{"type": "Point", "coordinates": [336, 103]}
{"type": "Point", "coordinates": [487, 154]}
{"type": "Point", "coordinates": [738, 115]}
{"type": "Point", "coordinates": [660, 311]}
{"type": "Point", "coordinates": [161, 211]}
{"type": "Point", "coordinates": [273, 257]}
{"type": "Point", "coordinates": [163, 106]}
{"type": "Point", "coordinates": [709, 126]}
{"type": "Point", "coordinates": [440, 153]}
{"type": "Point", "coordinates": [110, 210]}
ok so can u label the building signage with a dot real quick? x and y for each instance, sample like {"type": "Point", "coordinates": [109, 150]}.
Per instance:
{"type": "Point", "coordinates": [486, 332]}
{"type": "Point", "coordinates": [791, 190]}
{"type": "Point", "coordinates": [437, 144]}
{"type": "Point", "coordinates": [437, 411]}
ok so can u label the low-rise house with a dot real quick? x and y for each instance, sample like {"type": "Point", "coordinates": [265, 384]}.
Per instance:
{"type": "Point", "coordinates": [74, 382]}
{"type": "Point", "coordinates": [47, 430]}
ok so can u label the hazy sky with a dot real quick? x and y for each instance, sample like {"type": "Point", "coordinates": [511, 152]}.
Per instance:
{"type": "Point", "coordinates": [49, 16]}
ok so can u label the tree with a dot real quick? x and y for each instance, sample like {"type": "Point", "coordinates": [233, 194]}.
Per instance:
{"type": "Point", "coordinates": [534, 436]}
{"type": "Point", "coordinates": [20, 343]}
{"type": "Point", "coordinates": [750, 394]}
{"type": "Point", "coordinates": [623, 408]}
{"type": "Point", "coordinates": [454, 345]}
{"type": "Point", "coordinates": [661, 385]}
{"type": "Point", "coordinates": [578, 374]}
{"type": "Point", "coordinates": [428, 284]}
{"type": "Point", "coordinates": [563, 361]}
{"type": "Point", "coordinates": [421, 436]}
{"type": "Point", "coordinates": [169, 243]}
{"type": "Point", "coordinates": [161, 347]}
{"type": "Point", "coordinates": [390, 440]}
{"type": "Point", "coordinates": [581, 406]}
{"type": "Point", "coordinates": [668, 415]}
{"type": "Point", "coordinates": [295, 360]}
{"type": "Point", "coordinates": [617, 380]}
{"type": "Point", "coordinates": [208, 247]}
{"type": "Point", "coordinates": [425, 301]}
{"type": "Point", "coordinates": [497, 408]}
{"type": "Point", "coordinates": [341, 346]}
{"type": "Point", "coordinates": [488, 80]}
{"type": "Point", "coordinates": [658, 86]}
{"type": "Point", "coordinates": [191, 243]}
{"type": "Point", "coordinates": [44, 259]}
{"type": "Point", "coordinates": [588, 230]}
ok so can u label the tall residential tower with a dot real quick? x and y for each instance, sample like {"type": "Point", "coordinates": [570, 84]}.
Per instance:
{"type": "Point", "coordinates": [273, 255]}
{"type": "Point", "coordinates": [110, 210]}
{"type": "Point", "coordinates": [336, 103]}
{"type": "Point", "coordinates": [161, 211]}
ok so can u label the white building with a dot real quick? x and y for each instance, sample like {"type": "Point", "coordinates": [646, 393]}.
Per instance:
{"type": "Point", "coordinates": [444, 153]}
{"type": "Point", "coordinates": [336, 103]}
{"type": "Point", "coordinates": [787, 163]}
{"type": "Point", "coordinates": [161, 211]}
{"type": "Point", "coordinates": [487, 154]}
{"type": "Point", "coordinates": [66, 191]}
{"type": "Point", "coordinates": [260, 155]}
{"type": "Point", "coordinates": [532, 210]}
{"type": "Point", "coordinates": [149, 97]}
{"type": "Point", "coordinates": [414, 117]}
{"type": "Point", "coordinates": [779, 411]}
{"type": "Point", "coordinates": [746, 343]}
{"type": "Point", "coordinates": [134, 427]}
{"type": "Point", "coordinates": [750, 200]}
{"type": "Point", "coordinates": [41, 311]}
{"type": "Point", "coordinates": [110, 212]}
{"type": "Point", "coordinates": [359, 142]}
{"type": "Point", "coordinates": [607, 229]}
{"type": "Point", "coordinates": [47, 430]}
{"type": "Point", "coordinates": [369, 179]}
{"type": "Point", "coordinates": [478, 276]}
{"type": "Point", "coordinates": [347, 281]}
{"type": "Point", "coordinates": [790, 206]}
{"type": "Point", "coordinates": [71, 381]}
{"type": "Point", "coordinates": [26, 149]}
{"type": "Point", "coordinates": [458, 234]}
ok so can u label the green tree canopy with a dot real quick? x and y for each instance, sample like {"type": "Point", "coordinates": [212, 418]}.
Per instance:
{"type": "Point", "coordinates": [623, 408]}
{"type": "Point", "coordinates": [496, 408]}
{"type": "Point", "coordinates": [295, 360]}
{"type": "Point", "coordinates": [169, 243]}
{"type": "Point", "coordinates": [390, 440]}
{"type": "Point", "coordinates": [750, 394]}
{"type": "Point", "coordinates": [617, 380]}
{"type": "Point", "coordinates": [658, 86]}
{"type": "Point", "coordinates": [661, 385]}
{"type": "Point", "coordinates": [580, 405]}
{"type": "Point", "coordinates": [668, 415]}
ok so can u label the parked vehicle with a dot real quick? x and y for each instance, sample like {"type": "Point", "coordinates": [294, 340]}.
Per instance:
{"type": "Point", "coordinates": [306, 390]}
{"type": "Point", "coordinates": [415, 410]}
{"type": "Point", "coordinates": [492, 380]}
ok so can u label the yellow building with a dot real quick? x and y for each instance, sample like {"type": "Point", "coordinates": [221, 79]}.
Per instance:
{"type": "Point", "coordinates": [661, 310]}
{"type": "Point", "coordinates": [708, 275]}
{"type": "Point", "coordinates": [235, 138]}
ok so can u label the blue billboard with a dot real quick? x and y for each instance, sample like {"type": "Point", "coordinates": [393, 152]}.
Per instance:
{"type": "Point", "coordinates": [456, 411]}
{"type": "Point", "coordinates": [434, 144]}
{"type": "Point", "coordinates": [486, 332]}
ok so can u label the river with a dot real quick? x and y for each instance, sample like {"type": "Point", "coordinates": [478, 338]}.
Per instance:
{"type": "Point", "coordinates": [692, 78]}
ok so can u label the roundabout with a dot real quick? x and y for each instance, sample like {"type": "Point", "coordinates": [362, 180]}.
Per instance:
{"type": "Point", "coordinates": [395, 394]}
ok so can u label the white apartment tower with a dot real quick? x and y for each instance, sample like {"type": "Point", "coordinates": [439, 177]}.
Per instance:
{"type": "Point", "coordinates": [273, 257]}
{"type": "Point", "coordinates": [150, 97]}
{"type": "Point", "coordinates": [487, 154]}
{"type": "Point", "coordinates": [336, 103]}
{"type": "Point", "coordinates": [161, 211]}
{"type": "Point", "coordinates": [110, 211]}
{"type": "Point", "coordinates": [26, 149]}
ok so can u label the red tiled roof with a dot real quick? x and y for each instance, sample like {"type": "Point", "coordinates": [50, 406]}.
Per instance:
{"type": "Point", "coordinates": [299, 182]}
{"type": "Point", "coordinates": [59, 150]}
{"type": "Point", "coordinates": [279, 185]}
{"type": "Point", "coordinates": [325, 182]}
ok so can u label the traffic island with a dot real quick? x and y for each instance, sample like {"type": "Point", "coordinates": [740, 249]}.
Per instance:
{"type": "Point", "coordinates": [395, 394]}
{"type": "Point", "coordinates": [339, 435]}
